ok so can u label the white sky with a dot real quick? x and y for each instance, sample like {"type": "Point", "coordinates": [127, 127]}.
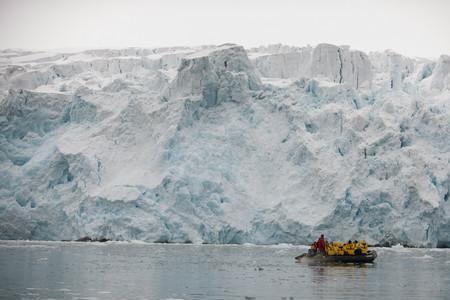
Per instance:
{"type": "Point", "coordinates": [411, 27]}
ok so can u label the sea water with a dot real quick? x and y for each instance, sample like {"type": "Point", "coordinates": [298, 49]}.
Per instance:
{"type": "Point", "coordinates": [121, 270]}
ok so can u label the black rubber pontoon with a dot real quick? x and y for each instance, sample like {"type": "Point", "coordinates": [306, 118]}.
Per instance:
{"type": "Point", "coordinates": [357, 259]}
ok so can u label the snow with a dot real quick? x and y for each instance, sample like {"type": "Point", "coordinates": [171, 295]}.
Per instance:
{"type": "Point", "coordinates": [209, 51]}
{"type": "Point", "coordinates": [219, 144]}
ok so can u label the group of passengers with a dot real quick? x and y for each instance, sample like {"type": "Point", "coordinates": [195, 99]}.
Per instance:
{"type": "Point", "coordinates": [337, 248]}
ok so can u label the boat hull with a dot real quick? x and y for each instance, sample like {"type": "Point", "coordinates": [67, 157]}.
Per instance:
{"type": "Point", "coordinates": [356, 259]}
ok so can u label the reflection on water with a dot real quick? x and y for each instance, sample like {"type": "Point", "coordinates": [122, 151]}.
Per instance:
{"type": "Point", "coordinates": [336, 280]}
{"type": "Point", "coordinates": [41, 270]}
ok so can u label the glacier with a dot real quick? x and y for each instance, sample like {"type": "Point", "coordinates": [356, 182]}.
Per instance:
{"type": "Point", "coordinates": [222, 144]}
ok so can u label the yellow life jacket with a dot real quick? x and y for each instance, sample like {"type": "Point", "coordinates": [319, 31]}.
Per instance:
{"type": "Point", "coordinates": [329, 249]}
{"type": "Point", "coordinates": [337, 248]}
{"type": "Point", "coordinates": [340, 250]}
{"type": "Point", "coordinates": [363, 246]}
{"type": "Point", "coordinates": [348, 249]}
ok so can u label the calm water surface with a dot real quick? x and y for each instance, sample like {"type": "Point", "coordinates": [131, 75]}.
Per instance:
{"type": "Point", "coordinates": [56, 270]}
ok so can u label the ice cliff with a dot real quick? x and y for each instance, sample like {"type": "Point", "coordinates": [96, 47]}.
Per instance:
{"type": "Point", "coordinates": [219, 144]}
{"type": "Point", "coordinates": [329, 62]}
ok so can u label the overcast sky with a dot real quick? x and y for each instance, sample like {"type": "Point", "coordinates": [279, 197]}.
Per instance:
{"type": "Point", "coordinates": [411, 27]}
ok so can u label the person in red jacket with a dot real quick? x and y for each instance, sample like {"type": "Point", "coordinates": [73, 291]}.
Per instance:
{"type": "Point", "coordinates": [321, 243]}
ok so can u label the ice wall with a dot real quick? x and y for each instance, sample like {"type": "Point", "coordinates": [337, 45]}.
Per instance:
{"type": "Point", "coordinates": [217, 75]}
{"type": "Point", "coordinates": [330, 62]}
{"type": "Point", "coordinates": [440, 78]}
{"type": "Point", "coordinates": [218, 144]}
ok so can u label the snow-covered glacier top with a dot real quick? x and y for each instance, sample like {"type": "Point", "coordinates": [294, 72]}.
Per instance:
{"type": "Point", "coordinates": [221, 144]}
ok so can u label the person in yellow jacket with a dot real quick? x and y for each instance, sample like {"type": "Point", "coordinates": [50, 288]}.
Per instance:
{"type": "Point", "coordinates": [349, 248]}
{"type": "Point", "coordinates": [334, 248]}
{"type": "Point", "coordinates": [338, 248]}
{"type": "Point", "coordinates": [341, 249]}
{"type": "Point", "coordinates": [363, 246]}
{"type": "Point", "coordinates": [329, 249]}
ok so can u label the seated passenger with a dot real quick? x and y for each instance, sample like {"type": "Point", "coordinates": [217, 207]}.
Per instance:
{"type": "Point", "coordinates": [363, 246]}
{"type": "Point", "coordinates": [348, 248]}
{"type": "Point", "coordinates": [313, 249]}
